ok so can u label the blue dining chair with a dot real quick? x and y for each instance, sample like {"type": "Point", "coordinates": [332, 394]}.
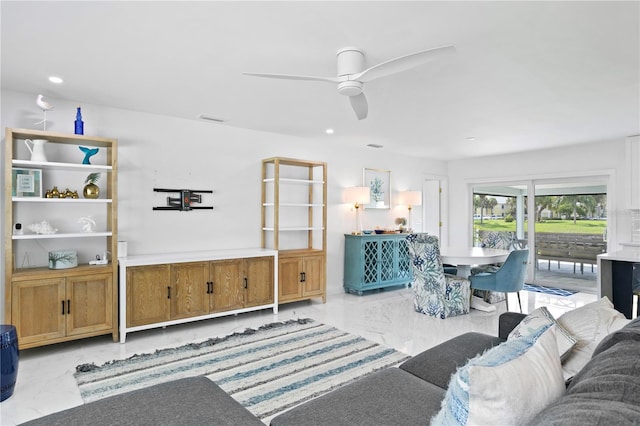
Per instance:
{"type": "Point", "coordinates": [508, 278]}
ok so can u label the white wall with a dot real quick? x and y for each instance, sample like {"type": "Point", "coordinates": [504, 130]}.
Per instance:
{"type": "Point", "coordinates": [607, 157]}
{"type": "Point", "coordinates": [161, 151]}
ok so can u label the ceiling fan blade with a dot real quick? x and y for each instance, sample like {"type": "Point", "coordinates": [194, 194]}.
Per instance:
{"type": "Point", "coordinates": [294, 77]}
{"type": "Point", "coordinates": [402, 63]}
{"type": "Point", "coordinates": [360, 105]}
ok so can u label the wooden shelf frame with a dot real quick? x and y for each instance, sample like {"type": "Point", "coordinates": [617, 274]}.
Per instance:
{"type": "Point", "coordinates": [307, 259]}
{"type": "Point", "coordinates": [11, 274]}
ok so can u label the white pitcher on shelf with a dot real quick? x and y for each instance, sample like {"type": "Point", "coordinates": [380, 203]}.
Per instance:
{"type": "Point", "coordinates": [37, 152]}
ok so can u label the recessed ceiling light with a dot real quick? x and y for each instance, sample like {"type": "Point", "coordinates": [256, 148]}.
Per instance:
{"type": "Point", "coordinates": [329, 131]}
{"type": "Point", "coordinates": [211, 118]}
{"type": "Point", "coordinates": [471, 138]}
{"type": "Point", "coordinates": [55, 79]}
{"type": "Point", "coordinates": [374, 145]}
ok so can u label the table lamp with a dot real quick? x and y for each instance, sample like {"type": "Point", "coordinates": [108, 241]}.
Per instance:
{"type": "Point", "coordinates": [410, 199]}
{"type": "Point", "coordinates": [357, 195]}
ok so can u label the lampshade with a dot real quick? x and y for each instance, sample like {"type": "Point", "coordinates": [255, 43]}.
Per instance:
{"type": "Point", "coordinates": [411, 198]}
{"type": "Point", "coordinates": [357, 195]}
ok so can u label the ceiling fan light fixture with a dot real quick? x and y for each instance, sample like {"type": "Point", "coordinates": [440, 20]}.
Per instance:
{"type": "Point", "coordinates": [350, 88]}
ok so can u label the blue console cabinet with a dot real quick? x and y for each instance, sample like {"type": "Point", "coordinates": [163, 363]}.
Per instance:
{"type": "Point", "coordinates": [376, 261]}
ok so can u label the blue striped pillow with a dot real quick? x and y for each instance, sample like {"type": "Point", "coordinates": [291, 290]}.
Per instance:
{"type": "Point", "coordinates": [488, 374]}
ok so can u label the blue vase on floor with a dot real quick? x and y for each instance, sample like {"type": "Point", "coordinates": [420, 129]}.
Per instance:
{"type": "Point", "coordinates": [9, 355]}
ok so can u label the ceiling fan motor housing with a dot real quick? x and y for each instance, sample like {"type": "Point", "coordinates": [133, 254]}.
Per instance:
{"type": "Point", "coordinates": [350, 61]}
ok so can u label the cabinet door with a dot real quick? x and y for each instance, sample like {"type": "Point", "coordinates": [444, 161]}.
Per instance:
{"type": "Point", "coordinates": [190, 289]}
{"type": "Point", "coordinates": [38, 310]}
{"type": "Point", "coordinates": [91, 304]}
{"type": "Point", "coordinates": [370, 254]}
{"type": "Point", "coordinates": [314, 276]}
{"type": "Point", "coordinates": [289, 278]}
{"type": "Point", "coordinates": [386, 265]}
{"type": "Point", "coordinates": [148, 294]}
{"type": "Point", "coordinates": [404, 261]}
{"type": "Point", "coordinates": [259, 275]}
{"type": "Point", "coordinates": [228, 278]}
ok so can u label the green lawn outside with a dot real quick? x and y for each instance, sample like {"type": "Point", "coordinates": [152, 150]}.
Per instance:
{"type": "Point", "coordinates": [556, 226]}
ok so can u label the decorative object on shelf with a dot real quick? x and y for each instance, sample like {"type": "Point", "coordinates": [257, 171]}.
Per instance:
{"type": "Point", "coordinates": [184, 203]}
{"type": "Point", "coordinates": [44, 106]}
{"type": "Point", "coordinates": [63, 259]}
{"type": "Point", "coordinates": [79, 124]}
{"type": "Point", "coordinates": [358, 195]}
{"type": "Point", "coordinates": [17, 229]}
{"type": "Point", "coordinates": [104, 260]}
{"type": "Point", "coordinates": [56, 193]}
{"type": "Point", "coordinates": [43, 228]}
{"type": "Point", "coordinates": [410, 199]}
{"type": "Point", "coordinates": [379, 181]}
{"type": "Point", "coordinates": [26, 182]}
{"type": "Point", "coordinates": [88, 153]}
{"type": "Point", "coordinates": [53, 193]}
{"type": "Point", "coordinates": [37, 152]}
{"type": "Point", "coordinates": [88, 224]}
{"type": "Point", "coordinates": [401, 222]}
{"type": "Point", "coordinates": [91, 190]}
{"type": "Point", "coordinates": [122, 249]}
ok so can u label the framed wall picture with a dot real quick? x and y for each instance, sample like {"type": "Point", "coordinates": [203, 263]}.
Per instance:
{"type": "Point", "coordinates": [26, 182]}
{"type": "Point", "coordinates": [380, 183]}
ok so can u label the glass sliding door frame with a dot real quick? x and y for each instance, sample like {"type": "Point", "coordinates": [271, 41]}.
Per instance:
{"type": "Point", "coordinates": [567, 185]}
{"type": "Point", "coordinates": [510, 189]}
{"type": "Point", "coordinates": [587, 185]}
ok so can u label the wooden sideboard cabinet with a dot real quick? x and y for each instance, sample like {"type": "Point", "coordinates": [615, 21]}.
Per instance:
{"type": "Point", "coordinates": [301, 276]}
{"type": "Point", "coordinates": [166, 289]}
{"type": "Point", "coordinates": [376, 261]}
{"type": "Point", "coordinates": [56, 307]}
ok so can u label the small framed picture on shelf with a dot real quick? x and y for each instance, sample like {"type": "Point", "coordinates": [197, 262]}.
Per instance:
{"type": "Point", "coordinates": [380, 183]}
{"type": "Point", "coordinates": [26, 182]}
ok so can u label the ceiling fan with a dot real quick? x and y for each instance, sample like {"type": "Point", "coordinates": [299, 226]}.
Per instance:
{"type": "Point", "coordinates": [351, 74]}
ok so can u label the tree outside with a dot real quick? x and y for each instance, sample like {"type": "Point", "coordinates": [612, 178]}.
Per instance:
{"type": "Point", "coordinates": [575, 213]}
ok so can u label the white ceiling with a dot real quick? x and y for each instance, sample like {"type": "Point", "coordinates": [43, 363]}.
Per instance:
{"type": "Point", "coordinates": [526, 75]}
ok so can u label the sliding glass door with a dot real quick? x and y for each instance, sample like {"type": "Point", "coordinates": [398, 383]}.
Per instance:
{"type": "Point", "coordinates": [563, 224]}
{"type": "Point", "coordinates": [569, 232]}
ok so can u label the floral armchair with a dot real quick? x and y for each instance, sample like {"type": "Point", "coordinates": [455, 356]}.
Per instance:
{"type": "Point", "coordinates": [504, 240]}
{"type": "Point", "coordinates": [435, 293]}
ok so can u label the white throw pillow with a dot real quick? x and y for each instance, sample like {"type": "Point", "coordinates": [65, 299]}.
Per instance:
{"type": "Point", "coordinates": [589, 324]}
{"type": "Point", "coordinates": [509, 384]}
{"type": "Point", "coordinates": [539, 318]}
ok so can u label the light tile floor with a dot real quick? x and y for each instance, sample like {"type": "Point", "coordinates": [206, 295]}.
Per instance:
{"type": "Point", "coordinates": [45, 377]}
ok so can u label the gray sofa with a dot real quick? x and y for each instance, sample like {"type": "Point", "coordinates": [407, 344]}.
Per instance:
{"type": "Point", "coordinates": [605, 392]}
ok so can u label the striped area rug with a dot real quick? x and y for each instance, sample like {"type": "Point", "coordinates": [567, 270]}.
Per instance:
{"type": "Point", "coordinates": [267, 370]}
{"type": "Point", "coordinates": [549, 290]}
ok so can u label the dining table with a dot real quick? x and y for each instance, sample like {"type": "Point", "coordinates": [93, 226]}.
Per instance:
{"type": "Point", "coordinates": [466, 257]}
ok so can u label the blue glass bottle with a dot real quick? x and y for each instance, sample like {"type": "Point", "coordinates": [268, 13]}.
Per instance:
{"type": "Point", "coordinates": [79, 124]}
